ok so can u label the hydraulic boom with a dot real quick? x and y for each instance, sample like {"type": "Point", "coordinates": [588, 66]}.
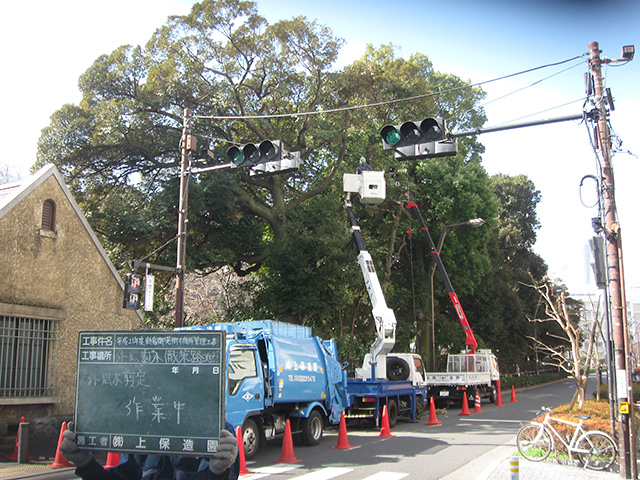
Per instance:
{"type": "Point", "coordinates": [471, 340]}
{"type": "Point", "coordinates": [384, 317]}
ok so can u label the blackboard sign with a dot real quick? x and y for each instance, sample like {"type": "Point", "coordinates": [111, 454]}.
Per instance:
{"type": "Point", "coordinates": [150, 392]}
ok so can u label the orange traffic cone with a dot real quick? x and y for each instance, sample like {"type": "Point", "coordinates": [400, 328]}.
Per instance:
{"type": "Point", "coordinates": [343, 440]}
{"type": "Point", "coordinates": [499, 395]}
{"type": "Point", "coordinates": [113, 459]}
{"type": "Point", "coordinates": [433, 418]}
{"type": "Point", "coordinates": [243, 462]}
{"type": "Point", "coordinates": [513, 394]}
{"type": "Point", "coordinates": [287, 446]}
{"type": "Point", "coordinates": [465, 405]}
{"type": "Point", "coordinates": [477, 408]}
{"type": "Point", "coordinates": [59, 461]}
{"type": "Point", "coordinates": [385, 431]}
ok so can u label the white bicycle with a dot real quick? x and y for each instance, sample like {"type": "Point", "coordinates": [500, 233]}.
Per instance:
{"type": "Point", "coordinates": [594, 449]}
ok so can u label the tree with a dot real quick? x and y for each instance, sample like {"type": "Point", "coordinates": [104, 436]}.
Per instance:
{"type": "Point", "coordinates": [500, 306]}
{"type": "Point", "coordinates": [561, 346]}
{"type": "Point", "coordinates": [245, 80]}
{"type": "Point", "coordinates": [7, 174]}
{"type": "Point", "coordinates": [222, 59]}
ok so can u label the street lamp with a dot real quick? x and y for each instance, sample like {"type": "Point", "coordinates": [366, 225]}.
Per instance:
{"type": "Point", "coordinates": [474, 222]}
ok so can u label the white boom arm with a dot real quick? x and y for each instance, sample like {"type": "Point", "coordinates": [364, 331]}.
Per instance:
{"type": "Point", "coordinates": [385, 319]}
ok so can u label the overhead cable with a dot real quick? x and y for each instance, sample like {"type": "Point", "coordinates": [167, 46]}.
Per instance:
{"type": "Point", "coordinates": [386, 102]}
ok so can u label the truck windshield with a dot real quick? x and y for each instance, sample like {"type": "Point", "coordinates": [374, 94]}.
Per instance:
{"type": "Point", "coordinates": [242, 364]}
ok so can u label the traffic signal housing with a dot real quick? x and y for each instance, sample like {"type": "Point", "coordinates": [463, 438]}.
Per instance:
{"type": "Point", "coordinates": [418, 140]}
{"type": "Point", "coordinates": [267, 158]}
{"type": "Point", "coordinates": [132, 291]}
{"type": "Point", "coordinates": [251, 154]}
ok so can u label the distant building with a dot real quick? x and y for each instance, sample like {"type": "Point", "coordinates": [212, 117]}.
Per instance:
{"type": "Point", "coordinates": [55, 280]}
{"type": "Point", "coordinates": [594, 304]}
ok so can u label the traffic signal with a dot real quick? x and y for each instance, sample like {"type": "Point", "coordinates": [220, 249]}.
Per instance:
{"type": "Point", "coordinates": [417, 140]}
{"type": "Point", "coordinates": [285, 163]}
{"type": "Point", "coordinates": [268, 158]}
{"type": "Point", "coordinates": [251, 154]}
{"type": "Point", "coordinates": [132, 291]}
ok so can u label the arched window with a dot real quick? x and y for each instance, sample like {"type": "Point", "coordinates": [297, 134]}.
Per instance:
{"type": "Point", "coordinates": [49, 215]}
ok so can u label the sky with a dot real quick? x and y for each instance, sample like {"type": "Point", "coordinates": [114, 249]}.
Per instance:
{"type": "Point", "coordinates": [47, 47]}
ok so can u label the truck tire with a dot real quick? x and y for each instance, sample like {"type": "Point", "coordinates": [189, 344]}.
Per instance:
{"type": "Point", "coordinates": [397, 369]}
{"type": "Point", "coordinates": [312, 429]}
{"type": "Point", "coordinates": [250, 438]}
{"type": "Point", "coordinates": [419, 406]}
{"type": "Point", "coordinates": [392, 412]}
{"type": "Point", "coordinates": [493, 396]}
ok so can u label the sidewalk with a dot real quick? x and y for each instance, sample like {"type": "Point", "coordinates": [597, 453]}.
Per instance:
{"type": "Point", "coordinates": [12, 470]}
{"type": "Point", "coordinates": [495, 465]}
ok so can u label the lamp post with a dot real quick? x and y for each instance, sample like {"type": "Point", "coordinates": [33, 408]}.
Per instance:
{"type": "Point", "coordinates": [474, 222]}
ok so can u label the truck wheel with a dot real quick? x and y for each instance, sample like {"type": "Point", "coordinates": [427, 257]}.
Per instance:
{"type": "Point", "coordinates": [250, 438]}
{"type": "Point", "coordinates": [397, 369]}
{"type": "Point", "coordinates": [392, 412]}
{"type": "Point", "coordinates": [493, 396]}
{"type": "Point", "coordinates": [419, 406]}
{"type": "Point", "coordinates": [312, 429]}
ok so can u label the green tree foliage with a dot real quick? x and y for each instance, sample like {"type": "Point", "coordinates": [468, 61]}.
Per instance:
{"type": "Point", "coordinates": [246, 80]}
{"type": "Point", "coordinates": [502, 303]}
{"type": "Point", "coordinates": [222, 59]}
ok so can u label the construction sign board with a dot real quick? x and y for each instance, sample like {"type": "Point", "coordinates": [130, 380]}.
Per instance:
{"type": "Point", "coordinates": [150, 392]}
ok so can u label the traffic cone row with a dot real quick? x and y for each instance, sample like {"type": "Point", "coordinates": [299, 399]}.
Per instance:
{"type": "Point", "coordinates": [59, 461]}
{"type": "Point", "coordinates": [385, 430]}
{"type": "Point", "coordinates": [465, 406]}
{"type": "Point", "coordinates": [343, 441]}
{"type": "Point", "coordinates": [113, 459]}
{"type": "Point", "coordinates": [287, 446]}
{"type": "Point", "coordinates": [241, 454]}
{"type": "Point", "coordinates": [288, 455]}
{"type": "Point", "coordinates": [499, 395]}
{"type": "Point", "coordinates": [477, 408]}
{"type": "Point", "coordinates": [433, 418]}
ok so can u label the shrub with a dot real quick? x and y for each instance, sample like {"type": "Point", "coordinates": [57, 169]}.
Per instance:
{"type": "Point", "coordinates": [604, 392]}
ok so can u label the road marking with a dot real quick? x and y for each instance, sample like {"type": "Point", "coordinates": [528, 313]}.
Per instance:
{"type": "Point", "coordinates": [325, 473]}
{"type": "Point", "coordinates": [491, 420]}
{"type": "Point", "coordinates": [387, 476]}
{"type": "Point", "coordinates": [262, 472]}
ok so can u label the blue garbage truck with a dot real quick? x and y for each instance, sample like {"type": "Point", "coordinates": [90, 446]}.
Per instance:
{"type": "Point", "coordinates": [276, 372]}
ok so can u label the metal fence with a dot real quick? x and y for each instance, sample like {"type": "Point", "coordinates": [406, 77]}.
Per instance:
{"type": "Point", "coordinates": [27, 356]}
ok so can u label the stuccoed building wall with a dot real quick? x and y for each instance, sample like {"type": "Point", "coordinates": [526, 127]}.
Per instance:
{"type": "Point", "coordinates": [58, 280]}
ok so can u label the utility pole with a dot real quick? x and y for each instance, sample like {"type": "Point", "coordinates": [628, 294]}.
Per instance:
{"type": "Point", "coordinates": [623, 386]}
{"type": "Point", "coordinates": [186, 145]}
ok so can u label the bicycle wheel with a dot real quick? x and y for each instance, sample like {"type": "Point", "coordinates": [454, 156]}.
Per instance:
{"type": "Point", "coordinates": [534, 442]}
{"type": "Point", "coordinates": [596, 450]}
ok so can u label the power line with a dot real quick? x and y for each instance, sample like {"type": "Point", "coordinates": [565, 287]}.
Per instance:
{"type": "Point", "coordinates": [386, 102]}
{"type": "Point", "coordinates": [519, 90]}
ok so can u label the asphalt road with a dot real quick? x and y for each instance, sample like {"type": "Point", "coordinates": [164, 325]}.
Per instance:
{"type": "Point", "coordinates": [416, 451]}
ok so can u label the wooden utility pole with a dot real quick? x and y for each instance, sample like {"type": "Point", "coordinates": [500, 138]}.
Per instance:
{"type": "Point", "coordinates": [611, 230]}
{"type": "Point", "coordinates": [186, 144]}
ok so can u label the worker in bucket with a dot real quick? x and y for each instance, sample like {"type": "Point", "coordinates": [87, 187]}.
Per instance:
{"type": "Point", "coordinates": [222, 465]}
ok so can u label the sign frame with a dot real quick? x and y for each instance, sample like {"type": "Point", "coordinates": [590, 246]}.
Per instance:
{"type": "Point", "coordinates": [150, 391]}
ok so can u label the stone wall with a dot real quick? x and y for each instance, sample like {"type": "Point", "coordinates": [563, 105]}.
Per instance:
{"type": "Point", "coordinates": [60, 274]}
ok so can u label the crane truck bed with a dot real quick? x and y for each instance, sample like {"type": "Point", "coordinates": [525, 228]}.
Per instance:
{"type": "Point", "coordinates": [470, 373]}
